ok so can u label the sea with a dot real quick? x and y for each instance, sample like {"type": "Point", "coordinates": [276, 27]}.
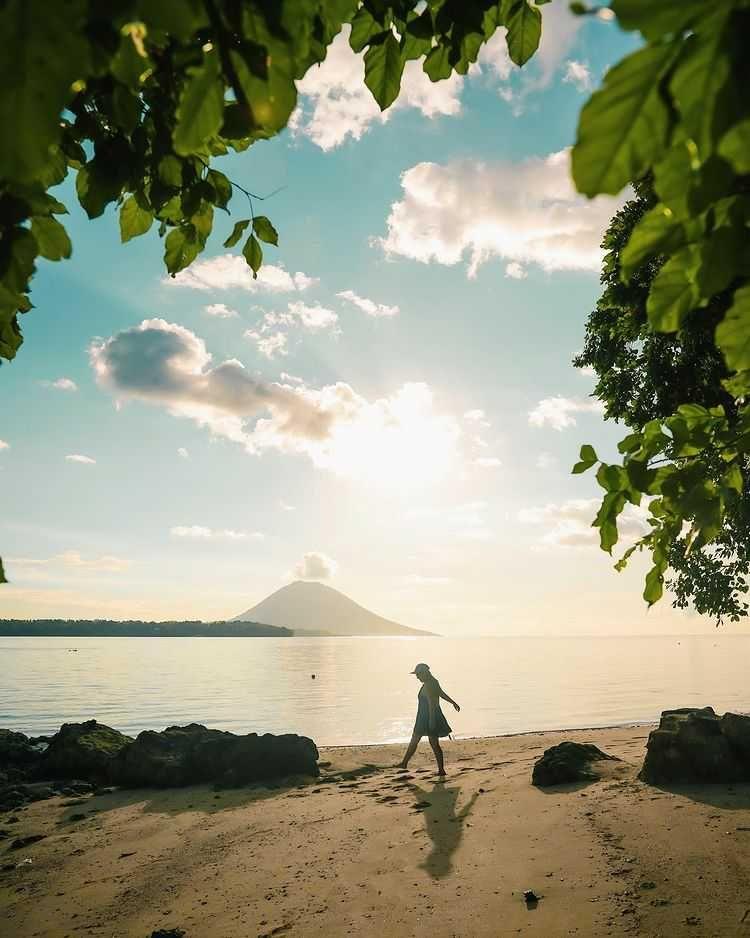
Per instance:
{"type": "Point", "coordinates": [342, 691]}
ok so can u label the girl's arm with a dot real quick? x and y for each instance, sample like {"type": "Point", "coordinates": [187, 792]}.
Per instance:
{"type": "Point", "coordinates": [450, 700]}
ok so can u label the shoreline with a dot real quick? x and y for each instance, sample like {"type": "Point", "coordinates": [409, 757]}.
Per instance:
{"type": "Point", "coordinates": [371, 852]}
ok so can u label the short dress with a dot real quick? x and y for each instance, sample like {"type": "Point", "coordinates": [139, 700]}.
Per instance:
{"type": "Point", "coordinates": [422, 724]}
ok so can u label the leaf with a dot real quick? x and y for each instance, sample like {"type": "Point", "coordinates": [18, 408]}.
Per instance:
{"type": "Point", "coordinates": [237, 231]}
{"type": "Point", "coordinates": [271, 98]}
{"type": "Point", "coordinates": [606, 519]}
{"type": "Point", "coordinates": [170, 171]}
{"type": "Point", "coordinates": [253, 255]}
{"type": "Point", "coordinates": [673, 292]}
{"type": "Point", "coordinates": [2, 572]}
{"type": "Point", "coordinates": [437, 64]}
{"type": "Point", "coordinates": [623, 127]}
{"type": "Point", "coordinates": [384, 65]}
{"type": "Point", "coordinates": [222, 187]}
{"type": "Point", "coordinates": [658, 232]}
{"type": "Point", "coordinates": [364, 27]}
{"type": "Point", "coordinates": [654, 20]}
{"type": "Point", "coordinates": [51, 238]}
{"type": "Point", "coordinates": [44, 52]}
{"type": "Point", "coordinates": [180, 248]}
{"type": "Point", "coordinates": [265, 230]}
{"type": "Point", "coordinates": [733, 332]}
{"type": "Point", "coordinates": [96, 187]}
{"type": "Point", "coordinates": [588, 458]}
{"type": "Point", "coordinates": [134, 220]}
{"type": "Point", "coordinates": [654, 588]}
{"type": "Point", "coordinates": [524, 31]}
{"type": "Point", "coordinates": [721, 259]}
{"type": "Point", "coordinates": [734, 146]}
{"type": "Point", "coordinates": [201, 109]}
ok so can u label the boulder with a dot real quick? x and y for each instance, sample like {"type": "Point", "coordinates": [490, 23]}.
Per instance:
{"type": "Point", "coordinates": [193, 754]}
{"type": "Point", "coordinates": [82, 751]}
{"type": "Point", "coordinates": [568, 762]}
{"type": "Point", "coordinates": [19, 755]}
{"type": "Point", "coordinates": [693, 746]}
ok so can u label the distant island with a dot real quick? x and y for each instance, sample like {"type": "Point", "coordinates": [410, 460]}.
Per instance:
{"type": "Point", "coordinates": [316, 609]}
{"type": "Point", "coordinates": [135, 628]}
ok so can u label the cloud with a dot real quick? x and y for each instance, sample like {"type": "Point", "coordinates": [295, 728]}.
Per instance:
{"type": "Point", "coordinates": [569, 524]}
{"type": "Point", "coordinates": [221, 311]}
{"type": "Point", "coordinates": [370, 307]}
{"type": "Point", "coordinates": [197, 531]}
{"type": "Point", "coordinates": [488, 462]}
{"type": "Point", "coordinates": [285, 506]}
{"type": "Point", "coordinates": [270, 345]}
{"type": "Point", "coordinates": [526, 212]}
{"type": "Point", "coordinates": [417, 579]}
{"type": "Point", "coordinates": [291, 379]}
{"type": "Point", "coordinates": [477, 417]}
{"type": "Point", "coordinates": [396, 440]}
{"type": "Point", "coordinates": [546, 461]}
{"type": "Point", "coordinates": [578, 74]}
{"type": "Point", "coordinates": [588, 371]}
{"type": "Point", "coordinates": [515, 271]}
{"type": "Point", "coordinates": [78, 457]}
{"type": "Point", "coordinates": [183, 453]}
{"type": "Point", "coordinates": [4, 445]}
{"type": "Point", "coordinates": [73, 558]}
{"type": "Point", "coordinates": [230, 271]}
{"type": "Point", "coordinates": [335, 105]}
{"type": "Point", "coordinates": [61, 384]}
{"type": "Point", "coordinates": [557, 412]}
{"type": "Point", "coordinates": [315, 566]}
{"type": "Point", "coordinates": [269, 335]}
{"type": "Point", "coordinates": [467, 521]}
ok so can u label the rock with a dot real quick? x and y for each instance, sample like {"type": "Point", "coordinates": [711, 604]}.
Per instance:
{"type": "Point", "coordinates": [18, 755]}
{"type": "Point", "coordinates": [21, 842]}
{"type": "Point", "coordinates": [693, 746]}
{"type": "Point", "coordinates": [568, 762]}
{"type": "Point", "coordinates": [168, 933]}
{"type": "Point", "coordinates": [193, 754]}
{"type": "Point", "coordinates": [82, 751]}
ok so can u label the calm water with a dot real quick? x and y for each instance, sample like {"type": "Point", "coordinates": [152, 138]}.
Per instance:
{"type": "Point", "coordinates": [363, 692]}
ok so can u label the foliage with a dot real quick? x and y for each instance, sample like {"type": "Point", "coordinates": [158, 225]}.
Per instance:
{"type": "Point", "coordinates": [676, 108]}
{"type": "Point", "coordinates": [644, 375]}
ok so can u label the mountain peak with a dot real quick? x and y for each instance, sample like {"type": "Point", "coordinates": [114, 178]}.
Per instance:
{"type": "Point", "coordinates": [311, 606]}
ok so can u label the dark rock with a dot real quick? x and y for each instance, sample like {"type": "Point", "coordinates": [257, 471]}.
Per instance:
{"type": "Point", "coordinates": [168, 933]}
{"type": "Point", "coordinates": [693, 746]}
{"type": "Point", "coordinates": [19, 757]}
{"type": "Point", "coordinates": [568, 762]}
{"type": "Point", "coordinates": [193, 754]}
{"type": "Point", "coordinates": [83, 751]}
{"type": "Point", "coordinates": [20, 842]}
{"type": "Point", "coordinates": [77, 817]}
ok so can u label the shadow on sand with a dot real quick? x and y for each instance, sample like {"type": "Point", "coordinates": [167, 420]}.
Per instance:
{"type": "Point", "coordinates": [443, 824]}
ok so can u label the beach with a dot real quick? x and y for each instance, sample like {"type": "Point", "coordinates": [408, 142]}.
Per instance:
{"type": "Point", "coordinates": [367, 851]}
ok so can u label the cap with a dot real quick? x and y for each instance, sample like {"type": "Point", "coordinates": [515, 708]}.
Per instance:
{"type": "Point", "coordinates": [420, 667]}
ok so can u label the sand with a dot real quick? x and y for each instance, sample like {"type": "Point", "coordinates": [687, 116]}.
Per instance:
{"type": "Point", "coordinates": [357, 857]}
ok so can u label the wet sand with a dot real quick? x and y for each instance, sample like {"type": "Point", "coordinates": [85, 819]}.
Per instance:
{"type": "Point", "coordinates": [368, 851]}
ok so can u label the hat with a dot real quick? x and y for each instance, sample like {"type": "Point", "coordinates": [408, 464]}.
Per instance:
{"type": "Point", "coordinates": [420, 667]}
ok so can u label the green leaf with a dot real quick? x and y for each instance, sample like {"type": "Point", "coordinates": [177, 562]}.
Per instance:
{"type": "Point", "coordinates": [134, 220]}
{"type": "Point", "coordinates": [587, 459]}
{"type": "Point", "coordinates": [437, 64]}
{"type": "Point", "coordinates": [272, 97]}
{"type": "Point", "coordinates": [623, 127]}
{"type": "Point", "coordinates": [734, 146]}
{"type": "Point", "coordinates": [2, 572]}
{"type": "Point", "coordinates": [222, 187]}
{"type": "Point", "coordinates": [657, 19]}
{"type": "Point", "coordinates": [524, 31]}
{"type": "Point", "coordinates": [721, 259]}
{"type": "Point", "coordinates": [265, 230]}
{"type": "Point", "coordinates": [673, 292]}
{"type": "Point", "coordinates": [733, 332]}
{"type": "Point", "coordinates": [96, 187]}
{"type": "Point", "coordinates": [237, 231]}
{"type": "Point", "coordinates": [44, 52]}
{"type": "Point", "coordinates": [180, 248]}
{"type": "Point", "coordinates": [52, 238]}
{"type": "Point", "coordinates": [658, 232]}
{"type": "Point", "coordinates": [201, 109]}
{"type": "Point", "coordinates": [606, 519]}
{"type": "Point", "coordinates": [654, 588]}
{"type": "Point", "coordinates": [732, 478]}
{"type": "Point", "coordinates": [364, 27]}
{"type": "Point", "coordinates": [170, 171]}
{"type": "Point", "coordinates": [253, 255]}
{"type": "Point", "coordinates": [384, 65]}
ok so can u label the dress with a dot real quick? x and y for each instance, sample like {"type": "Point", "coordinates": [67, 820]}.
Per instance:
{"type": "Point", "coordinates": [422, 724]}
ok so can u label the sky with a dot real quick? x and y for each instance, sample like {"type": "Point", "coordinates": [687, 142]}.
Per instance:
{"type": "Point", "coordinates": [390, 408]}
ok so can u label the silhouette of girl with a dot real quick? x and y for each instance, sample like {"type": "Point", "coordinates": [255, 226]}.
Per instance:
{"type": "Point", "coordinates": [430, 720]}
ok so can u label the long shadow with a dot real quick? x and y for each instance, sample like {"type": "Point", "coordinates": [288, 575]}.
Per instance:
{"type": "Point", "coordinates": [731, 796]}
{"type": "Point", "coordinates": [443, 825]}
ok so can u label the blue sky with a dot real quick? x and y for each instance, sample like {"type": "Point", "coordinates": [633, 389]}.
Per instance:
{"type": "Point", "coordinates": [408, 442]}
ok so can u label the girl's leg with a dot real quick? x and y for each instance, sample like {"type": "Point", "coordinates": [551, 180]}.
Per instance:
{"type": "Point", "coordinates": [435, 743]}
{"type": "Point", "coordinates": [412, 748]}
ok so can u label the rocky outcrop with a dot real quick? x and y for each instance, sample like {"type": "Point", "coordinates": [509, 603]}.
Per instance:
{"type": "Point", "coordinates": [568, 762]}
{"type": "Point", "coordinates": [82, 751]}
{"type": "Point", "coordinates": [694, 746]}
{"type": "Point", "coordinates": [191, 755]}
{"type": "Point", "coordinates": [19, 755]}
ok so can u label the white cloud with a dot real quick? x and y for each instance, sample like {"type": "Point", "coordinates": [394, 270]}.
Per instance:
{"type": "Point", "coordinates": [291, 379]}
{"type": "Point", "coordinates": [285, 506]}
{"type": "Point", "coordinates": [546, 461]}
{"type": "Point", "coordinates": [230, 271]}
{"type": "Point", "coordinates": [4, 445]}
{"type": "Point", "coordinates": [527, 212]}
{"type": "Point", "coordinates": [557, 412]}
{"type": "Point", "coordinates": [61, 384]}
{"type": "Point", "coordinates": [578, 74]}
{"type": "Point", "coordinates": [315, 566]}
{"type": "Point", "coordinates": [569, 524]}
{"type": "Point", "coordinates": [399, 440]}
{"type": "Point", "coordinates": [221, 311]}
{"type": "Point", "coordinates": [467, 521]}
{"type": "Point", "coordinates": [270, 344]}
{"type": "Point", "coordinates": [315, 317]}
{"type": "Point", "coordinates": [488, 462]}
{"type": "Point", "coordinates": [271, 340]}
{"type": "Point", "coordinates": [197, 531]}
{"type": "Point", "coordinates": [335, 104]}
{"type": "Point", "coordinates": [73, 558]}
{"type": "Point", "coordinates": [370, 307]}
{"type": "Point", "coordinates": [588, 371]}
{"type": "Point", "coordinates": [477, 417]}
{"type": "Point", "coordinates": [183, 453]}
{"type": "Point", "coordinates": [515, 271]}
{"type": "Point", "coordinates": [78, 457]}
